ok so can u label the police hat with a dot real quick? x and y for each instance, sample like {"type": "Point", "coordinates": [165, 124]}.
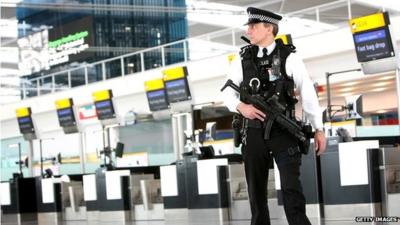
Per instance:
{"type": "Point", "coordinates": [259, 15]}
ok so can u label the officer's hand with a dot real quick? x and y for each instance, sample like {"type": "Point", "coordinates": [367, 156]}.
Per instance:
{"type": "Point", "coordinates": [319, 142]}
{"type": "Point", "coordinates": [250, 112]}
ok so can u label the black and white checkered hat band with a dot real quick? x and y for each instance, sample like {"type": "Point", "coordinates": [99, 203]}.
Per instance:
{"type": "Point", "coordinates": [263, 18]}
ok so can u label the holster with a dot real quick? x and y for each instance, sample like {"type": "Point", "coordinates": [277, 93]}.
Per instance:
{"type": "Point", "coordinates": [237, 126]}
{"type": "Point", "coordinates": [305, 145]}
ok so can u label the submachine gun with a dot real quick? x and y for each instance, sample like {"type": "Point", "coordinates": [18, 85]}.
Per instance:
{"type": "Point", "coordinates": [274, 110]}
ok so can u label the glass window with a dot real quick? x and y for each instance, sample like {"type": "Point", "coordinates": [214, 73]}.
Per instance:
{"type": "Point", "coordinates": [95, 73]}
{"type": "Point", "coordinates": [61, 82]}
{"type": "Point", "coordinates": [46, 85]}
{"type": "Point", "coordinates": [113, 69]}
{"type": "Point", "coordinates": [152, 59]}
{"type": "Point", "coordinates": [174, 54]}
{"type": "Point", "coordinates": [132, 64]}
{"type": "Point", "coordinates": [77, 77]}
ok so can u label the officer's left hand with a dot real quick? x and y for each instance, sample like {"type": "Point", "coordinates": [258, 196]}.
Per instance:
{"type": "Point", "coordinates": [320, 142]}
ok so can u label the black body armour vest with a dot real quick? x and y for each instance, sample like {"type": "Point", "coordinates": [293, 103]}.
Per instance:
{"type": "Point", "coordinates": [271, 73]}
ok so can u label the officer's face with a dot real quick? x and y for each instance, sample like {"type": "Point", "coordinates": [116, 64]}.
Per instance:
{"type": "Point", "coordinates": [258, 32]}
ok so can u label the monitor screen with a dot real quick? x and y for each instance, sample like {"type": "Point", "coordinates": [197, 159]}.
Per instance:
{"type": "Point", "coordinates": [177, 90]}
{"type": "Point", "coordinates": [354, 107]}
{"type": "Point", "coordinates": [66, 117]}
{"type": "Point", "coordinates": [26, 125]}
{"type": "Point", "coordinates": [105, 109]}
{"type": "Point", "coordinates": [373, 45]}
{"type": "Point", "coordinates": [157, 100]}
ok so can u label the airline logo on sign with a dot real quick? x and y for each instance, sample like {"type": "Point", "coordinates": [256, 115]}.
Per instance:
{"type": "Point", "coordinates": [87, 112]}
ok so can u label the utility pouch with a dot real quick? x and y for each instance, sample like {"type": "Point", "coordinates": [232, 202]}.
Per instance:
{"type": "Point", "coordinates": [237, 126]}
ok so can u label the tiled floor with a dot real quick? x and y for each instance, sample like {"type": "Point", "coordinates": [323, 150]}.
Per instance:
{"type": "Point", "coordinates": [181, 222]}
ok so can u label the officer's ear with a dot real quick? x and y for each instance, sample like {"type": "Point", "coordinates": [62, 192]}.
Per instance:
{"type": "Point", "coordinates": [269, 27]}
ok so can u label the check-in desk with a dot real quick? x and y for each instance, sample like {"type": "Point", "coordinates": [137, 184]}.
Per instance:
{"type": "Point", "coordinates": [18, 201]}
{"type": "Point", "coordinates": [389, 167]}
{"type": "Point", "coordinates": [239, 206]}
{"type": "Point", "coordinates": [123, 194]}
{"type": "Point", "coordinates": [107, 195]}
{"type": "Point", "coordinates": [350, 180]}
{"type": "Point", "coordinates": [195, 190]}
{"type": "Point", "coordinates": [147, 202]}
{"type": "Point", "coordinates": [73, 204]}
{"type": "Point", "coordinates": [48, 199]}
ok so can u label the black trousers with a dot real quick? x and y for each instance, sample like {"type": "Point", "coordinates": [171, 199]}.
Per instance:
{"type": "Point", "coordinates": [257, 157]}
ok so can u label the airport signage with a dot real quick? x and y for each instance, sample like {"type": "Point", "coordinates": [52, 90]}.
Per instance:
{"type": "Point", "coordinates": [371, 36]}
{"type": "Point", "coordinates": [65, 112]}
{"type": "Point", "coordinates": [24, 119]}
{"type": "Point", "coordinates": [104, 104]}
{"type": "Point", "coordinates": [61, 49]}
{"type": "Point", "coordinates": [156, 95]}
{"type": "Point", "coordinates": [176, 84]}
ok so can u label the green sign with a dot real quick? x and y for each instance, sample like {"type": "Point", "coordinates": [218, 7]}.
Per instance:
{"type": "Point", "coordinates": [69, 38]}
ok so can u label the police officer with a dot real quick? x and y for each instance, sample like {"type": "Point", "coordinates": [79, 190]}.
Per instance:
{"type": "Point", "coordinates": [268, 67]}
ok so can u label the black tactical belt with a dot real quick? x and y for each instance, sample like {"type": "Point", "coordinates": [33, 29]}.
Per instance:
{"type": "Point", "coordinates": [255, 123]}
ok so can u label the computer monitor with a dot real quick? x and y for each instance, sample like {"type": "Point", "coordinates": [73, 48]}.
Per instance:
{"type": "Point", "coordinates": [119, 150]}
{"type": "Point", "coordinates": [207, 152]}
{"type": "Point", "coordinates": [354, 107]}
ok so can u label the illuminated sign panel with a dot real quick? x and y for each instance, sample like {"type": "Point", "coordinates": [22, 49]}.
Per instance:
{"type": "Point", "coordinates": [25, 120]}
{"type": "Point", "coordinates": [105, 109]}
{"type": "Point", "coordinates": [177, 90]}
{"type": "Point", "coordinates": [373, 45]}
{"type": "Point", "coordinates": [371, 37]}
{"type": "Point", "coordinates": [66, 117]}
{"type": "Point", "coordinates": [157, 100]}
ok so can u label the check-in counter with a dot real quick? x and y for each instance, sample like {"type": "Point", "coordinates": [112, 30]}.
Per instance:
{"type": "Point", "coordinates": [195, 190]}
{"type": "Point", "coordinates": [107, 195]}
{"type": "Point", "coordinates": [48, 199]}
{"type": "Point", "coordinates": [389, 167]}
{"type": "Point", "coordinates": [18, 201]}
{"type": "Point", "coordinates": [239, 206]}
{"type": "Point", "coordinates": [146, 198]}
{"type": "Point", "coordinates": [73, 204]}
{"type": "Point", "coordinates": [123, 194]}
{"type": "Point", "coordinates": [350, 180]}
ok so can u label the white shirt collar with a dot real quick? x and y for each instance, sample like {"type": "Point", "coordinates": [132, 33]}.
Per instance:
{"type": "Point", "coordinates": [270, 48]}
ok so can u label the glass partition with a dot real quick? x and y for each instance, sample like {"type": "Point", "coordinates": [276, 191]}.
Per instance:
{"type": "Point", "coordinates": [9, 157]}
{"type": "Point", "coordinates": [132, 64]}
{"type": "Point", "coordinates": [140, 137]}
{"type": "Point", "coordinates": [174, 53]}
{"type": "Point", "coordinates": [95, 73]}
{"type": "Point", "coordinates": [61, 82]}
{"type": "Point", "coordinates": [113, 69]}
{"type": "Point", "coordinates": [152, 59]}
{"type": "Point", "coordinates": [78, 77]}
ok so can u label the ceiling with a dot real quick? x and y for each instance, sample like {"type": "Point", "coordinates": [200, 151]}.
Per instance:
{"type": "Point", "coordinates": [331, 12]}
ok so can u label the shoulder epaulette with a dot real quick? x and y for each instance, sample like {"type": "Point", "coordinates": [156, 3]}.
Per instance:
{"type": "Point", "coordinates": [244, 49]}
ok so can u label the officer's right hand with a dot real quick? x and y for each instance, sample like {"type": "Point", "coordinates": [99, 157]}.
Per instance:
{"type": "Point", "coordinates": [250, 112]}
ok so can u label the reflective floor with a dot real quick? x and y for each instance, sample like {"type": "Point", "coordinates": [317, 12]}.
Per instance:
{"type": "Point", "coordinates": [181, 222]}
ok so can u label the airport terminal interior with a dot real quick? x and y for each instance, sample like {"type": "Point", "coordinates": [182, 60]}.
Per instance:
{"type": "Point", "coordinates": [111, 111]}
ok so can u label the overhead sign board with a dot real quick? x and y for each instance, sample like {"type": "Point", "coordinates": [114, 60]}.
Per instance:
{"type": "Point", "coordinates": [373, 43]}
{"type": "Point", "coordinates": [156, 95]}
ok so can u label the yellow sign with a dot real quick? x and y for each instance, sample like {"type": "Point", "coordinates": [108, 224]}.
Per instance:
{"type": "Point", "coordinates": [174, 73]}
{"type": "Point", "coordinates": [368, 22]}
{"type": "Point", "coordinates": [231, 57]}
{"type": "Point", "coordinates": [64, 103]}
{"type": "Point", "coordinates": [102, 95]}
{"type": "Point", "coordinates": [286, 39]}
{"type": "Point", "coordinates": [22, 112]}
{"type": "Point", "coordinates": [152, 85]}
